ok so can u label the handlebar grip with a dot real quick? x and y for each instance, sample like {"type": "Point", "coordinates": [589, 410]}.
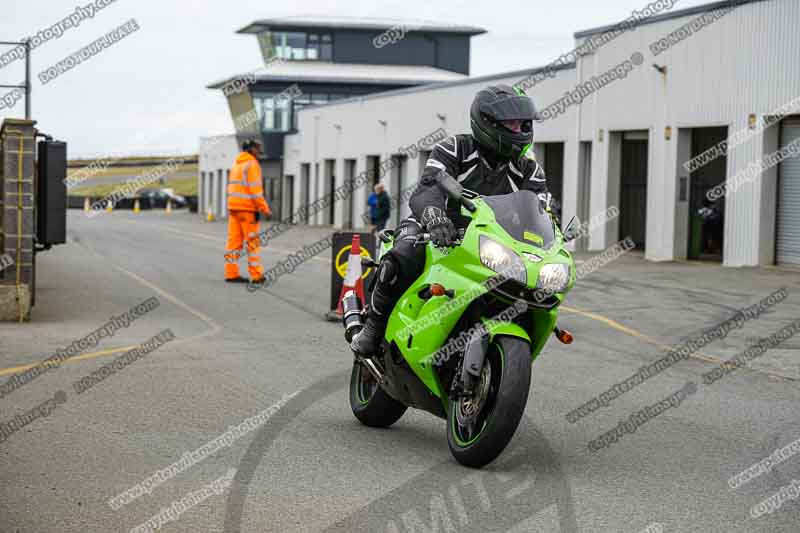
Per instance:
{"type": "Point", "coordinates": [424, 238]}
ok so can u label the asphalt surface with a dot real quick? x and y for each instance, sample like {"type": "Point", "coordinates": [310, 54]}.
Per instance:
{"type": "Point", "coordinates": [312, 467]}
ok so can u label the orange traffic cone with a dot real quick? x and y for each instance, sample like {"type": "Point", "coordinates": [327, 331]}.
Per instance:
{"type": "Point", "coordinates": [353, 279]}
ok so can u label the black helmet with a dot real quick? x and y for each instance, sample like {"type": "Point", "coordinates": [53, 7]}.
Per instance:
{"type": "Point", "coordinates": [498, 103]}
{"type": "Point", "coordinates": [249, 144]}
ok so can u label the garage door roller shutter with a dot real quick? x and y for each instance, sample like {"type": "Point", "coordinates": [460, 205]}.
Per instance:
{"type": "Point", "coordinates": [788, 236]}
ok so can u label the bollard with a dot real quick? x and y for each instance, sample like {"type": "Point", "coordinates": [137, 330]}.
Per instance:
{"type": "Point", "coordinates": [136, 207]}
{"type": "Point", "coordinates": [86, 205]}
{"type": "Point", "coordinates": [169, 207]}
{"type": "Point", "coordinates": [210, 217]}
{"type": "Point", "coordinates": [109, 206]}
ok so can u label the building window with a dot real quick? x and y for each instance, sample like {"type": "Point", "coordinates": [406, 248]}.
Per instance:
{"type": "Point", "coordinates": [273, 114]}
{"type": "Point", "coordinates": [296, 46]}
{"type": "Point", "coordinates": [276, 115]}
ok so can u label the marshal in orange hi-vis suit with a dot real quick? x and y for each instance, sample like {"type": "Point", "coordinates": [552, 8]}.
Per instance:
{"type": "Point", "coordinates": [245, 199]}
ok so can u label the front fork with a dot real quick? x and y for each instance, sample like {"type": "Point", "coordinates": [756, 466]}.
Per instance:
{"type": "Point", "coordinates": [472, 365]}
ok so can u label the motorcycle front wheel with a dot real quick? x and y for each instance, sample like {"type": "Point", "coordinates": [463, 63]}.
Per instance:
{"type": "Point", "coordinates": [479, 427]}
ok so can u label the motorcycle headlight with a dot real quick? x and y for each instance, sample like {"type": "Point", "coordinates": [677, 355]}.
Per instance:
{"type": "Point", "coordinates": [553, 278]}
{"type": "Point", "coordinates": [502, 260]}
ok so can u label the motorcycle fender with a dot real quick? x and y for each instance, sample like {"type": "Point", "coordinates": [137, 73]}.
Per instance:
{"type": "Point", "coordinates": [510, 329]}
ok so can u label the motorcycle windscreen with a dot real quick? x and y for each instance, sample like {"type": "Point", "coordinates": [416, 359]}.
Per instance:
{"type": "Point", "coordinates": [522, 215]}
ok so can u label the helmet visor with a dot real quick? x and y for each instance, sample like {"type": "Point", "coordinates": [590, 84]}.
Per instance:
{"type": "Point", "coordinates": [510, 108]}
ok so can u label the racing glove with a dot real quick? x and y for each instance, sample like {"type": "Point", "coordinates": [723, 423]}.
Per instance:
{"type": "Point", "coordinates": [441, 228]}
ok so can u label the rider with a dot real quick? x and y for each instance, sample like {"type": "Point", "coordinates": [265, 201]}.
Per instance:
{"type": "Point", "coordinates": [494, 160]}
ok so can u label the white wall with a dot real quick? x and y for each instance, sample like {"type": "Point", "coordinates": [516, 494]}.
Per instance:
{"type": "Point", "coordinates": [216, 153]}
{"type": "Point", "coordinates": [746, 62]}
{"type": "Point", "coordinates": [409, 117]}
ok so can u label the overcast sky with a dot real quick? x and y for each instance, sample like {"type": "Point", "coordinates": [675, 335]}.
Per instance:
{"type": "Point", "coordinates": [147, 92]}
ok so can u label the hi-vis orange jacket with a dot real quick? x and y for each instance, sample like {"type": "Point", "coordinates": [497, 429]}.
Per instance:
{"type": "Point", "coordinates": [245, 192]}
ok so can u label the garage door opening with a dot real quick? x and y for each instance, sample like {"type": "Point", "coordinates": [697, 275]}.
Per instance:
{"type": "Point", "coordinates": [399, 178]}
{"type": "Point", "coordinates": [706, 215]}
{"type": "Point", "coordinates": [305, 190]}
{"type": "Point", "coordinates": [787, 242]}
{"type": "Point", "coordinates": [550, 156]}
{"type": "Point", "coordinates": [554, 170]}
{"type": "Point", "coordinates": [373, 177]}
{"type": "Point", "coordinates": [349, 202]}
{"type": "Point", "coordinates": [330, 186]}
{"type": "Point", "coordinates": [288, 194]}
{"type": "Point", "coordinates": [584, 208]}
{"type": "Point", "coordinates": [374, 169]}
{"type": "Point", "coordinates": [633, 187]}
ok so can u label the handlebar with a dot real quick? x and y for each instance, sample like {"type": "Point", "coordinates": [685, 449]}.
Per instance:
{"type": "Point", "coordinates": [425, 238]}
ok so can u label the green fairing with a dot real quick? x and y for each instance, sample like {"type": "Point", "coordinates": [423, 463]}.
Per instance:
{"type": "Point", "coordinates": [460, 269]}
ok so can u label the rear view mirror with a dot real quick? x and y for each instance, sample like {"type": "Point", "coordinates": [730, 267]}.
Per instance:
{"type": "Point", "coordinates": [572, 230]}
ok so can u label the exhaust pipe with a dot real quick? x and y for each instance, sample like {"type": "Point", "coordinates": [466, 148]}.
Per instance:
{"type": "Point", "coordinates": [351, 315]}
{"type": "Point", "coordinates": [353, 323]}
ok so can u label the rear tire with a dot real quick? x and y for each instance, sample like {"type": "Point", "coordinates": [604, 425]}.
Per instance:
{"type": "Point", "coordinates": [371, 405]}
{"type": "Point", "coordinates": [509, 371]}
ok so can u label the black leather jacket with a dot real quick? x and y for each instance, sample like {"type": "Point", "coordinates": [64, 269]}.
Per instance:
{"type": "Point", "coordinates": [476, 170]}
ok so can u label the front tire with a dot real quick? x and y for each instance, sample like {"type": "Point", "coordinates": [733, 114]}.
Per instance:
{"type": "Point", "coordinates": [479, 428]}
{"type": "Point", "coordinates": [371, 405]}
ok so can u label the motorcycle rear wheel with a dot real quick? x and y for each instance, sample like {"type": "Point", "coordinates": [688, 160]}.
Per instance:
{"type": "Point", "coordinates": [370, 404]}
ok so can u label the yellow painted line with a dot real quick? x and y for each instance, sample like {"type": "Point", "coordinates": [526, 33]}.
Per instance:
{"type": "Point", "coordinates": [215, 328]}
{"type": "Point", "coordinates": [633, 333]}
{"type": "Point", "coordinates": [612, 323]}
{"type": "Point", "coordinates": [650, 340]}
{"type": "Point", "coordinates": [22, 368]}
{"type": "Point", "coordinates": [218, 240]}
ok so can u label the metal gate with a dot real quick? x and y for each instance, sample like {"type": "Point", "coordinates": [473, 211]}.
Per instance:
{"type": "Point", "coordinates": [787, 247]}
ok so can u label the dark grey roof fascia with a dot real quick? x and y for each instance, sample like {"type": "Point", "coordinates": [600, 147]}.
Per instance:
{"type": "Point", "coordinates": [261, 25]}
{"type": "Point", "coordinates": [317, 79]}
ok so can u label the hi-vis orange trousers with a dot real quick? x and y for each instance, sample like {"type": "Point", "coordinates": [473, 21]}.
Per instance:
{"type": "Point", "coordinates": [242, 227]}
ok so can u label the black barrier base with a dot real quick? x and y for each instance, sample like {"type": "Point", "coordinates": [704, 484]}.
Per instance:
{"type": "Point", "coordinates": [340, 253]}
{"type": "Point", "coordinates": [333, 316]}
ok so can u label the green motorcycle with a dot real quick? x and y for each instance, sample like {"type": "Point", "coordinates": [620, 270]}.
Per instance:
{"type": "Point", "coordinates": [460, 341]}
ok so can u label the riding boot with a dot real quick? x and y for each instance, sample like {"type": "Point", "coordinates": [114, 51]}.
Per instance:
{"type": "Point", "coordinates": [367, 341]}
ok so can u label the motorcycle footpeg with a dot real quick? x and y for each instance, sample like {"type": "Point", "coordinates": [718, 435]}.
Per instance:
{"type": "Point", "coordinates": [373, 368]}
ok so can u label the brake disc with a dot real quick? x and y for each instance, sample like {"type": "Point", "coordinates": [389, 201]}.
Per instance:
{"type": "Point", "coordinates": [469, 407]}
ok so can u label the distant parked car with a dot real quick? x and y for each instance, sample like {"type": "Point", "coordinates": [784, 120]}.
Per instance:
{"type": "Point", "coordinates": [192, 201]}
{"type": "Point", "coordinates": [157, 199]}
